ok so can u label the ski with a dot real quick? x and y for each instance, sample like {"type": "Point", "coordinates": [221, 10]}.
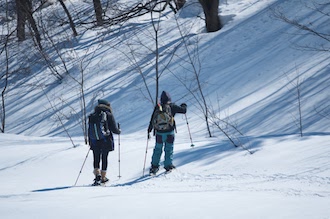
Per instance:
{"type": "Point", "coordinates": [168, 171]}
{"type": "Point", "coordinates": [98, 184]}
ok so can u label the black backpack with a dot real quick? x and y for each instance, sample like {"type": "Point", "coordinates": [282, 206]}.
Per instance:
{"type": "Point", "coordinates": [162, 119]}
{"type": "Point", "coordinates": [98, 128]}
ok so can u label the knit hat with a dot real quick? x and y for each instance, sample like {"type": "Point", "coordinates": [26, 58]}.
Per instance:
{"type": "Point", "coordinates": [103, 101]}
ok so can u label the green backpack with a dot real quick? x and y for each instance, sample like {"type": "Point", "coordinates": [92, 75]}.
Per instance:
{"type": "Point", "coordinates": [162, 118]}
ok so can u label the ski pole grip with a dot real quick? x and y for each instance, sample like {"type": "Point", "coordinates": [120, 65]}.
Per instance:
{"type": "Point", "coordinates": [118, 125]}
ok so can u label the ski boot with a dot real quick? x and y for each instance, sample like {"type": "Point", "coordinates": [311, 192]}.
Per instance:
{"type": "Point", "coordinates": [153, 170]}
{"type": "Point", "coordinates": [97, 181]}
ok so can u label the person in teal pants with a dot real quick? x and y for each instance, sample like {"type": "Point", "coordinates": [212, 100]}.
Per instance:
{"type": "Point", "coordinates": [164, 137]}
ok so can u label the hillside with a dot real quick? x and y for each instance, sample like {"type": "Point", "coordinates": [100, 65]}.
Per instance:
{"type": "Point", "coordinates": [249, 71]}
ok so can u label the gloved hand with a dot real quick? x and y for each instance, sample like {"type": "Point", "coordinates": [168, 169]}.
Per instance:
{"type": "Point", "coordinates": [149, 128]}
{"type": "Point", "coordinates": [149, 136]}
{"type": "Point", "coordinates": [183, 105]}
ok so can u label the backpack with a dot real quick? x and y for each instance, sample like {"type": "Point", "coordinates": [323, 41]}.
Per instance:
{"type": "Point", "coordinates": [98, 126]}
{"type": "Point", "coordinates": [162, 118]}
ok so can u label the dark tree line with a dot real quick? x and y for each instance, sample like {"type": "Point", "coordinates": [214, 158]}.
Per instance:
{"type": "Point", "coordinates": [24, 10]}
{"type": "Point", "coordinates": [24, 14]}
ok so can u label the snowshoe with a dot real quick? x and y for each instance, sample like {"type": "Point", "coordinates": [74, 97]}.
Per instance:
{"type": "Point", "coordinates": [169, 168]}
{"type": "Point", "coordinates": [97, 181]}
{"type": "Point", "coordinates": [153, 170]}
{"type": "Point", "coordinates": [104, 180]}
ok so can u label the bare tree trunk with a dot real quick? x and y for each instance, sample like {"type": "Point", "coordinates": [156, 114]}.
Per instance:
{"type": "Point", "coordinates": [33, 24]}
{"type": "Point", "coordinates": [179, 4]}
{"type": "Point", "coordinates": [212, 19]}
{"type": "Point", "coordinates": [98, 12]}
{"type": "Point", "coordinates": [5, 76]}
{"type": "Point", "coordinates": [3, 110]}
{"type": "Point", "coordinates": [24, 12]}
{"type": "Point", "coordinates": [83, 104]}
{"type": "Point", "coordinates": [300, 112]}
{"type": "Point", "coordinates": [21, 18]}
{"type": "Point", "coordinates": [156, 27]}
{"type": "Point", "coordinates": [157, 65]}
{"type": "Point", "coordinates": [70, 18]}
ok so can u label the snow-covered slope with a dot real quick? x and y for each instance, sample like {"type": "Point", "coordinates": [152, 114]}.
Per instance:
{"type": "Point", "coordinates": [248, 71]}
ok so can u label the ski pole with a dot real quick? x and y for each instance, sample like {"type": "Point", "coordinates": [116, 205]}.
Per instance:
{"type": "Point", "coordinates": [192, 145]}
{"type": "Point", "coordinates": [145, 157]}
{"type": "Point", "coordinates": [119, 152]}
{"type": "Point", "coordinates": [82, 167]}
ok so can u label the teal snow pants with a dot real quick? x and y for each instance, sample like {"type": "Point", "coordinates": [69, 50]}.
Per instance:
{"type": "Point", "coordinates": [165, 139]}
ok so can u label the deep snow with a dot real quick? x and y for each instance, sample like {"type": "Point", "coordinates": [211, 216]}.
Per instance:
{"type": "Point", "coordinates": [248, 70]}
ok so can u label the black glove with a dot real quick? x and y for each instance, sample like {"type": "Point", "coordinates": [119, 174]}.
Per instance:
{"type": "Point", "coordinates": [149, 128]}
{"type": "Point", "coordinates": [183, 105]}
{"type": "Point", "coordinates": [149, 136]}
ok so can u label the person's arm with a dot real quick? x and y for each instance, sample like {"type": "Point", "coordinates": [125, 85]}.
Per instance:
{"type": "Point", "coordinates": [150, 127]}
{"type": "Point", "coordinates": [112, 124]}
{"type": "Point", "coordinates": [179, 109]}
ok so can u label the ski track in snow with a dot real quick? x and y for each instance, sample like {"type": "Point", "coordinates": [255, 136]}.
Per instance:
{"type": "Point", "coordinates": [178, 181]}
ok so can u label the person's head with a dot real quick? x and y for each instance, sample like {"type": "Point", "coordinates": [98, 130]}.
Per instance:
{"type": "Point", "coordinates": [103, 102]}
{"type": "Point", "coordinates": [103, 105]}
{"type": "Point", "coordinates": [165, 98]}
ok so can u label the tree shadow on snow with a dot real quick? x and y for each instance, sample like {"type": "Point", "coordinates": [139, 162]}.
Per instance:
{"type": "Point", "coordinates": [213, 152]}
{"type": "Point", "coordinates": [52, 189]}
{"type": "Point", "coordinates": [61, 188]}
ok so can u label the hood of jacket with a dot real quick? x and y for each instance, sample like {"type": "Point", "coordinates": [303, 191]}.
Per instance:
{"type": "Point", "coordinates": [103, 107]}
{"type": "Point", "coordinates": [165, 98]}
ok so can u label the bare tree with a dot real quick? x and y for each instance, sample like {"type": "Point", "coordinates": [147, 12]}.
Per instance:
{"type": "Point", "coordinates": [179, 4]}
{"type": "Point", "coordinates": [229, 129]}
{"type": "Point", "coordinates": [25, 13]}
{"type": "Point", "coordinates": [298, 89]}
{"type": "Point", "coordinates": [156, 27]}
{"type": "Point", "coordinates": [21, 20]}
{"type": "Point", "coordinates": [148, 59]}
{"type": "Point", "coordinates": [309, 27]}
{"type": "Point", "coordinates": [5, 77]}
{"type": "Point", "coordinates": [138, 10]}
{"type": "Point", "coordinates": [194, 61]}
{"type": "Point", "coordinates": [58, 117]}
{"type": "Point", "coordinates": [297, 84]}
{"type": "Point", "coordinates": [72, 25]}
{"type": "Point", "coordinates": [212, 20]}
{"type": "Point", "coordinates": [98, 12]}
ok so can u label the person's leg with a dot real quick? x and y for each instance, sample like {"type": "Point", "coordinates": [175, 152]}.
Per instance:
{"type": "Point", "coordinates": [157, 150]}
{"type": "Point", "coordinates": [168, 163]}
{"type": "Point", "coordinates": [96, 158]}
{"type": "Point", "coordinates": [96, 161]}
{"type": "Point", "coordinates": [104, 156]}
